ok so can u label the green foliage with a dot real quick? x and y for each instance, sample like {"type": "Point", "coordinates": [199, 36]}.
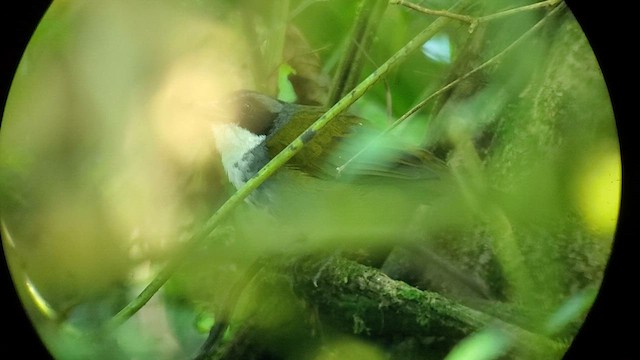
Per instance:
{"type": "Point", "coordinates": [107, 170]}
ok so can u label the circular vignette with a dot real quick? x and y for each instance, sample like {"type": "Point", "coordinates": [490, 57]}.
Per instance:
{"type": "Point", "coordinates": [600, 25]}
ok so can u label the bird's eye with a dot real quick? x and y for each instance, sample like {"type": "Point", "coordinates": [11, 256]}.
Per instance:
{"type": "Point", "coordinates": [254, 115]}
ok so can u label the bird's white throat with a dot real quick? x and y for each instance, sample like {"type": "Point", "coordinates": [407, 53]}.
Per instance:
{"type": "Point", "coordinates": [234, 144]}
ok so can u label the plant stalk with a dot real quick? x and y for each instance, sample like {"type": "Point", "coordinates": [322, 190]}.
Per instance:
{"type": "Point", "coordinates": [276, 163]}
{"type": "Point", "coordinates": [348, 74]}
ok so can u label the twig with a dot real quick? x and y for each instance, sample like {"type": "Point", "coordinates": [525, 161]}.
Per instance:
{"type": "Point", "coordinates": [453, 83]}
{"type": "Point", "coordinates": [427, 11]}
{"type": "Point", "coordinates": [387, 87]}
{"type": "Point", "coordinates": [276, 163]}
{"type": "Point", "coordinates": [474, 21]}
{"type": "Point", "coordinates": [538, 5]}
{"type": "Point", "coordinates": [485, 64]}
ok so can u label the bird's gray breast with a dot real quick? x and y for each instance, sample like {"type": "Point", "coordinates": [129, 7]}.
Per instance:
{"type": "Point", "coordinates": [253, 160]}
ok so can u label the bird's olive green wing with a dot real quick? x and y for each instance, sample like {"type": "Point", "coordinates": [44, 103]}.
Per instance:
{"type": "Point", "coordinates": [393, 163]}
{"type": "Point", "coordinates": [314, 155]}
{"type": "Point", "coordinates": [375, 157]}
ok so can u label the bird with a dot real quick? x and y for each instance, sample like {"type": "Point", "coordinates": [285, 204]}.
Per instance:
{"type": "Point", "coordinates": [372, 202]}
{"type": "Point", "coordinates": [262, 126]}
{"type": "Point", "coordinates": [366, 195]}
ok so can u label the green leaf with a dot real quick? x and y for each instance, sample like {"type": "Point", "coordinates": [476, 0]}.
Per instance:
{"type": "Point", "coordinates": [484, 345]}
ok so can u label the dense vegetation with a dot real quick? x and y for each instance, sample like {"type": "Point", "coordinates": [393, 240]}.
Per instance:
{"type": "Point", "coordinates": [109, 181]}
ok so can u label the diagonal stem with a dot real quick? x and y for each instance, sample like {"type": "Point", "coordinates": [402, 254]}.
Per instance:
{"type": "Point", "coordinates": [474, 21]}
{"type": "Point", "coordinates": [427, 11]}
{"type": "Point", "coordinates": [367, 19]}
{"type": "Point", "coordinates": [276, 163]}
{"type": "Point", "coordinates": [422, 103]}
{"type": "Point", "coordinates": [538, 5]}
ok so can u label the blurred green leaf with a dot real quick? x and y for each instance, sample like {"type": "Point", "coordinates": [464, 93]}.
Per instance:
{"type": "Point", "coordinates": [484, 345]}
{"type": "Point", "coordinates": [572, 310]}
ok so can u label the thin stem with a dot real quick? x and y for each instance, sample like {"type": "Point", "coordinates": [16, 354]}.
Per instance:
{"type": "Point", "coordinates": [427, 11]}
{"type": "Point", "coordinates": [177, 259]}
{"type": "Point", "coordinates": [276, 163]}
{"type": "Point", "coordinates": [485, 64]}
{"type": "Point", "coordinates": [386, 84]}
{"type": "Point", "coordinates": [144, 296]}
{"type": "Point", "coordinates": [474, 21]}
{"type": "Point", "coordinates": [422, 103]}
{"type": "Point", "coordinates": [538, 5]}
{"type": "Point", "coordinates": [348, 74]}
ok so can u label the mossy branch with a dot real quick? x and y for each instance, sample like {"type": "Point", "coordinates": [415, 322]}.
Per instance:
{"type": "Point", "coordinates": [276, 163]}
{"type": "Point", "coordinates": [347, 290]}
{"type": "Point", "coordinates": [361, 300]}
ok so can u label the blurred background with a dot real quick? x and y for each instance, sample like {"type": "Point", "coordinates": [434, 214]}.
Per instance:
{"type": "Point", "coordinates": [107, 161]}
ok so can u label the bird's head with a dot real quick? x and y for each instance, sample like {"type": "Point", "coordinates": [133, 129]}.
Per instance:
{"type": "Point", "coordinates": [241, 139]}
{"type": "Point", "coordinates": [261, 126]}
